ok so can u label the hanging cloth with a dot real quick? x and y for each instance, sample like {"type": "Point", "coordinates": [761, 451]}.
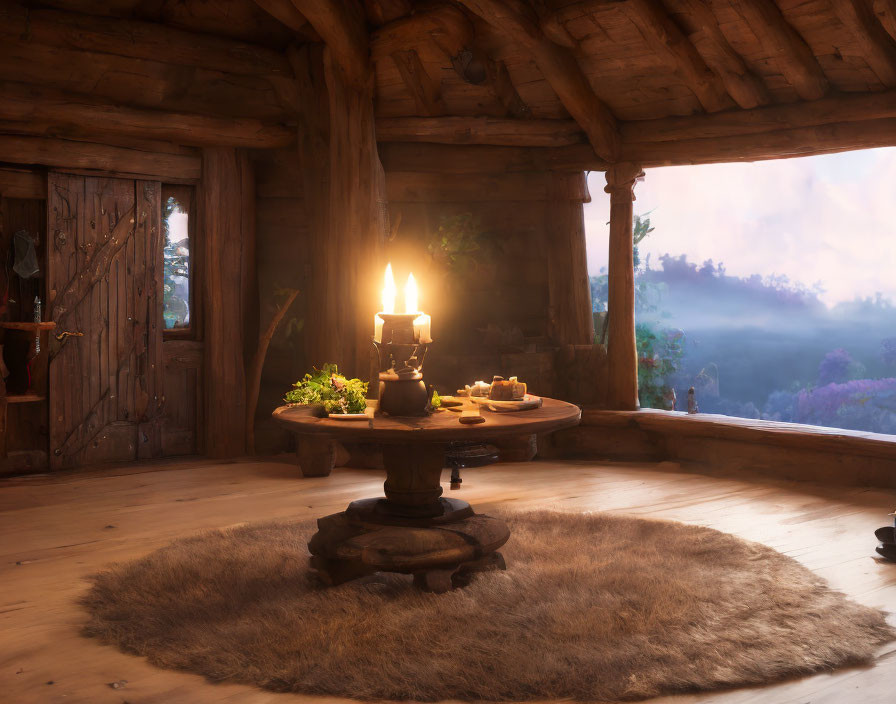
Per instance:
{"type": "Point", "coordinates": [25, 263]}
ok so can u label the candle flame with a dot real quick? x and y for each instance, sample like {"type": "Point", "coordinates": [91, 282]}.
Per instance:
{"type": "Point", "coordinates": [410, 295]}
{"type": "Point", "coordinates": [389, 290]}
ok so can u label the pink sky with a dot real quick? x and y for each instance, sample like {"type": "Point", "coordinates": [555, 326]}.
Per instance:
{"type": "Point", "coordinates": [825, 218]}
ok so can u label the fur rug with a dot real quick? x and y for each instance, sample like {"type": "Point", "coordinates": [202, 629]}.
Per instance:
{"type": "Point", "coordinates": [594, 606]}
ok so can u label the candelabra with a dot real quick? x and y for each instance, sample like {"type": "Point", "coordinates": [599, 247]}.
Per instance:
{"type": "Point", "coordinates": [401, 354]}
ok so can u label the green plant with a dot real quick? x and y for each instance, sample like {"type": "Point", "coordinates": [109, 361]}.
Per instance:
{"type": "Point", "coordinates": [460, 243]}
{"type": "Point", "coordinates": [328, 387]}
{"type": "Point", "coordinates": [659, 357]}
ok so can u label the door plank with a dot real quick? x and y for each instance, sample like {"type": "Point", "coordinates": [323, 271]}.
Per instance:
{"type": "Point", "coordinates": [105, 281]}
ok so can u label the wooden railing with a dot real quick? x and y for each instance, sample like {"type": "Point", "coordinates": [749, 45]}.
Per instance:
{"type": "Point", "coordinates": [785, 450]}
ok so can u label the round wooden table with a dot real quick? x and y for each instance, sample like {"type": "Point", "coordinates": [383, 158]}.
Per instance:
{"type": "Point", "coordinates": [413, 529]}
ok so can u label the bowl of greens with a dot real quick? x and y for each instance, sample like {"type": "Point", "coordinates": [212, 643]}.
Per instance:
{"type": "Point", "coordinates": [327, 392]}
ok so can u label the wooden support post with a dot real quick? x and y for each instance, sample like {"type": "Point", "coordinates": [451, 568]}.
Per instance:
{"type": "Point", "coordinates": [622, 354]}
{"type": "Point", "coordinates": [227, 240]}
{"type": "Point", "coordinates": [344, 190]}
{"type": "Point", "coordinates": [569, 294]}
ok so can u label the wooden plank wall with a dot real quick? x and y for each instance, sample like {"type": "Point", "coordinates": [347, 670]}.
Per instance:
{"type": "Point", "coordinates": [531, 277]}
{"type": "Point", "coordinates": [283, 262]}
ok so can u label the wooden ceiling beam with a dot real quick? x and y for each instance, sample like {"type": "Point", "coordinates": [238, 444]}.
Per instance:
{"type": "Point", "coordinates": [140, 63]}
{"type": "Point", "coordinates": [518, 21]}
{"type": "Point", "coordinates": [30, 109]}
{"type": "Point", "coordinates": [877, 46]}
{"type": "Point", "coordinates": [479, 130]}
{"type": "Point", "coordinates": [380, 12]}
{"type": "Point", "coordinates": [342, 26]}
{"type": "Point", "coordinates": [443, 26]}
{"type": "Point", "coordinates": [783, 43]}
{"type": "Point", "coordinates": [505, 91]}
{"type": "Point", "coordinates": [139, 40]}
{"type": "Point", "coordinates": [834, 109]}
{"type": "Point", "coordinates": [746, 88]}
{"type": "Point", "coordinates": [670, 43]}
{"type": "Point", "coordinates": [778, 144]}
{"type": "Point", "coordinates": [886, 15]}
{"type": "Point", "coordinates": [473, 159]}
{"type": "Point", "coordinates": [426, 92]}
{"type": "Point", "coordinates": [287, 14]}
{"type": "Point", "coordinates": [88, 156]}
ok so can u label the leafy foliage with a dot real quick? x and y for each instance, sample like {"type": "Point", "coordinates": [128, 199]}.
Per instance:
{"type": "Point", "coordinates": [328, 387]}
{"type": "Point", "coordinates": [460, 242]}
{"type": "Point", "coordinates": [860, 404]}
{"type": "Point", "coordinates": [659, 358]}
{"type": "Point", "coordinates": [837, 367]}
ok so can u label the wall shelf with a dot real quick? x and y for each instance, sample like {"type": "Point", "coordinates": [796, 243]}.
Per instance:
{"type": "Point", "coordinates": [25, 398]}
{"type": "Point", "coordinates": [11, 325]}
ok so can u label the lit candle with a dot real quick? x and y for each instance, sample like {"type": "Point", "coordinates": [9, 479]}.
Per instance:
{"type": "Point", "coordinates": [421, 328]}
{"type": "Point", "coordinates": [422, 322]}
{"type": "Point", "coordinates": [389, 294]}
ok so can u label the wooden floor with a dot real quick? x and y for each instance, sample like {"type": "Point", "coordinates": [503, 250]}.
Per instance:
{"type": "Point", "coordinates": [56, 530]}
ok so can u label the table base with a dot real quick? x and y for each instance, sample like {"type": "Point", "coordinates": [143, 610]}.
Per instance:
{"type": "Point", "coordinates": [441, 551]}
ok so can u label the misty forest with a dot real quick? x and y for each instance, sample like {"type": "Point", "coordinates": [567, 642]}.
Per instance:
{"type": "Point", "coordinates": [757, 347]}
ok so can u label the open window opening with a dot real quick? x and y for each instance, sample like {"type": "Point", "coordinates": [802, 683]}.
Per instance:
{"type": "Point", "coordinates": [178, 261]}
{"type": "Point", "coordinates": [767, 287]}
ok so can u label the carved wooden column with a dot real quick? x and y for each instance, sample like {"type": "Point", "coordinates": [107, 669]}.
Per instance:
{"type": "Point", "coordinates": [344, 186]}
{"type": "Point", "coordinates": [622, 353]}
{"type": "Point", "coordinates": [569, 293]}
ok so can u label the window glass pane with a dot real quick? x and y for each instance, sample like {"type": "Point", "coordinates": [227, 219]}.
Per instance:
{"type": "Point", "coordinates": [176, 284]}
{"type": "Point", "coordinates": [767, 287]}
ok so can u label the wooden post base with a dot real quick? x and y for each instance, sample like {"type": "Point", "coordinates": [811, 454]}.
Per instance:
{"type": "Point", "coordinates": [440, 552]}
{"type": "Point", "coordinates": [316, 456]}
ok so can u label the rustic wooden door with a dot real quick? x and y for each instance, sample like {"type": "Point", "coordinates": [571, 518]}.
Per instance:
{"type": "Point", "coordinates": [104, 287]}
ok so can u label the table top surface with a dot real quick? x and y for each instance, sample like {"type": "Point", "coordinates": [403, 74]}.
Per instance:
{"type": "Point", "coordinates": [441, 426]}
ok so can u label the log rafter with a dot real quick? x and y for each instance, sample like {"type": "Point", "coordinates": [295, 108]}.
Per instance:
{"type": "Point", "coordinates": [442, 29]}
{"type": "Point", "coordinates": [479, 130]}
{"type": "Point", "coordinates": [341, 24]}
{"type": "Point", "coordinates": [521, 24]}
{"type": "Point", "coordinates": [829, 110]}
{"type": "Point", "coordinates": [670, 43]}
{"type": "Point", "coordinates": [876, 45]}
{"type": "Point", "coordinates": [781, 41]}
{"type": "Point", "coordinates": [288, 14]}
{"type": "Point", "coordinates": [886, 15]}
{"type": "Point", "coordinates": [424, 89]}
{"type": "Point", "coordinates": [746, 88]}
{"type": "Point", "coordinates": [29, 109]}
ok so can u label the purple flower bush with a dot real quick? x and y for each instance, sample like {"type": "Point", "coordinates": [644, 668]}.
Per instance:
{"type": "Point", "coordinates": [861, 404]}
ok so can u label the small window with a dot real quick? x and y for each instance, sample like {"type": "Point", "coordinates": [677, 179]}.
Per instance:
{"type": "Point", "coordinates": [176, 272]}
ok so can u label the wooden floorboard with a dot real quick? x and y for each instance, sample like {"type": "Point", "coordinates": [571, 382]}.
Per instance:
{"type": "Point", "coordinates": [58, 529]}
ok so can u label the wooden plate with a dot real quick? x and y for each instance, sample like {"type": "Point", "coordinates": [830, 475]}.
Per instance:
{"type": "Point", "coordinates": [526, 403]}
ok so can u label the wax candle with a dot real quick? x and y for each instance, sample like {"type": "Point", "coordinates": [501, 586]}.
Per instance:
{"type": "Point", "coordinates": [422, 328]}
{"type": "Point", "coordinates": [388, 295]}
